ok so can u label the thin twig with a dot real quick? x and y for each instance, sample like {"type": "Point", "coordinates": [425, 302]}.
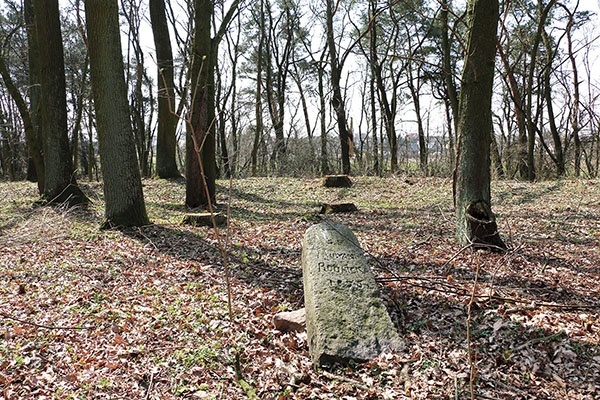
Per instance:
{"type": "Point", "coordinates": [536, 341]}
{"type": "Point", "coordinates": [472, 366]}
{"type": "Point", "coordinates": [71, 328]}
{"type": "Point", "coordinates": [150, 384]}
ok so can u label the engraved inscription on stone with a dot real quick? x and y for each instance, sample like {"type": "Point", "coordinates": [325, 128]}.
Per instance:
{"type": "Point", "coordinates": [340, 276]}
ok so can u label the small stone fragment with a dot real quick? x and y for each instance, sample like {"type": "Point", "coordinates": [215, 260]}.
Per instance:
{"type": "Point", "coordinates": [290, 321]}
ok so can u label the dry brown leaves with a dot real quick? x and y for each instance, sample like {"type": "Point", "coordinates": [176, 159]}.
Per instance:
{"type": "Point", "coordinates": [142, 314]}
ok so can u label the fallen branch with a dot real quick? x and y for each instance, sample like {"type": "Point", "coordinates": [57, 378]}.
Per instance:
{"type": "Point", "coordinates": [356, 383]}
{"type": "Point", "coordinates": [537, 340]}
{"type": "Point", "coordinates": [486, 296]}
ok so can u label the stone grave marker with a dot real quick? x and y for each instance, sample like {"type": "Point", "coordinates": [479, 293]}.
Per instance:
{"type": "Point", "coordinates": [345, 315]}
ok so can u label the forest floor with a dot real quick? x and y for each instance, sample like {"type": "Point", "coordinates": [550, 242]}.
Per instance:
{"type": "Point", "coordinates": [143, 313]}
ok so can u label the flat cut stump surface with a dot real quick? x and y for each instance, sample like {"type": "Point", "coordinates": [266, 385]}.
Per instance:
{"type": "Point", "coordinates": [204, 219]}
{"type": "Point", "coordinates": [335, 208]}
{"type": "Point", "coordinates": [337, 181]}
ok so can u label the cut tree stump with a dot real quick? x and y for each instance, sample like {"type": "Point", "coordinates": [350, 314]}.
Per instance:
{"type": "Point", "coordinates": [335, 208]}
{"type": "Point", "coordinates": [337, 181]}
{"type": "Point", "coordinates": [204, 219]}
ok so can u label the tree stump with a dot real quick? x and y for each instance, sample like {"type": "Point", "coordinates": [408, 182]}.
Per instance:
{"type": "Point", "coordinates": [204, 219]}
{"type": "Point", "coordinates": [482, 227]}
{"type": "Point", "coordinates": [337, 181]}
{"type": "Point", "coordinates": [335, 208]}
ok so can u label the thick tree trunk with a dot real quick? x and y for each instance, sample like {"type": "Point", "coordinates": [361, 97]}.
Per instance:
{"type": "Point", "coordinates": [59, 185]}
{"type": "Point", "coordinates": [33, 134]}
{"type": "Point", "coordinates": [201, 163]}
{"type": "Point", "coordinates": [475, 221]}
{"type": "Point", "coordinates": [337, 100]}
{"type": "Point", "coordinates": [258, 110]}
{"type": "Point", "coordinates": [201, 168]}
{"type": "Point", "coordinates": [166, 140]}
{"type": "Point", "coordinates": [124, 199]}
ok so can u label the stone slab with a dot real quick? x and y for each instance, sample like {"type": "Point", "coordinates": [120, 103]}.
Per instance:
{"type": "Point", "coordinates": [346, 318]}
{"type": "Point", "coordinates": [290, 321]}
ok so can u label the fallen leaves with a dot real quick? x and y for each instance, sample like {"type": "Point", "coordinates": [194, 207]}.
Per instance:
{"type": "Point", "coordinates": [145, 311]}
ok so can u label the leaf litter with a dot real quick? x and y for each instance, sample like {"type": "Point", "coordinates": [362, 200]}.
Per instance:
{"type": "Point", "coordinates": [142, 313]}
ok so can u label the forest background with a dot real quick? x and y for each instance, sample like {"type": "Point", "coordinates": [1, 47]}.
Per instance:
{"type": "Point", "coordinates": [396, 94]}
{"type": "Point", "coordinates": [164, 310]}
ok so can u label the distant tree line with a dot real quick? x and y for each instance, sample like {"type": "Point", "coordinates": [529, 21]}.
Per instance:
{"type": "Point", "coordinates": [286, 87]}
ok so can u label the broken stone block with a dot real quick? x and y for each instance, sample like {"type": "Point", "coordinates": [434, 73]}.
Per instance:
{"type": "Point", "coordinates": [334, 208]}
{"type": "Point", "coordinates": [290, 321]}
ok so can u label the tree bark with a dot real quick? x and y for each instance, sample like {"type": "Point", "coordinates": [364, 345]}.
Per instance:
{"type": "Point", "coordinates": [59, 178]}
{"type": "Point", "coordinates": [33, 136]}
{"type": "Point", "coordinates": [124, 199]}
{"type": "Point", "coordinates": [337, 100]}
{"type": "Point", "coordinates": [201, 163]}
{"type": "Point", "coordinates": [321, 87]}
{"type": "Point", "coordinates": [201, 166]}
{"type": "Point", "coordinates": [452, 100]}
{"type": "Point", "coordinates": [166, 140]}
{"type": "Point", "coordinates": [258, 110]}
{"type": "Point", "coordinates": [372, 86]}
{"type": "Point", "coordinates": [33, 145]}
{"type": "Point", "coordinates": [475, 221]}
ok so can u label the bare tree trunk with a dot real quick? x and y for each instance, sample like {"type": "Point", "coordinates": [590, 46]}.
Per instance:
{"type": "Point", "coordinates": [325, 170]}
{"type": "Point", "coordinates": [30, 136]}
{"type": "Point", "coordinates": [60, 185]}
{"type": "Point", "coordinates": [201, 165]}
{"type": "Point", "coordinates": [452, 100]}
{"type": "Point", "coordinates": [337, 100]}
{"type": "Point", "coordinates": [575, 126]}
{"type": "Point", "coordinates": [258, 93]}
{"type": "Point", "coordinates": [475, 221]}
{"type": "Point", "coordinates": [372, 86]}
{"type": "Point", "coordinates": [34, 137]}
{"type": "Point", "coordinates": [124, 199]}
{"type": "Point", "coordinates": [166, 139]}
{"type": "Point", "coordinates": [558, 156]}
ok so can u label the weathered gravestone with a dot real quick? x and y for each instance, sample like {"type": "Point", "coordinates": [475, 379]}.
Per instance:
{"type": "Point", "coordinates": [345, 315]}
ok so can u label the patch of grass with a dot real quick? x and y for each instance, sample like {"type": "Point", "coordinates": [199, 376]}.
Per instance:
{"type": "Point", "coordinates": [200, 356]}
